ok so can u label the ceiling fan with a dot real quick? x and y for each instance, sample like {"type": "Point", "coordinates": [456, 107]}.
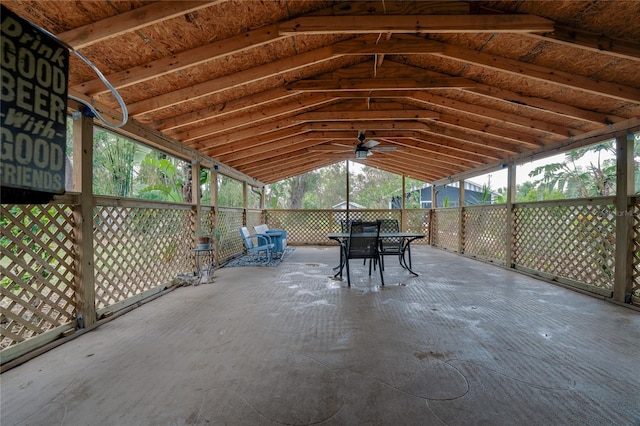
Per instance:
{"type": "Point", "coordinates": [363, 149]}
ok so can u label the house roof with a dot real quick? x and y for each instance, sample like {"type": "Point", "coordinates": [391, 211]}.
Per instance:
{"type": "Point", "coordinates": [274, 89]}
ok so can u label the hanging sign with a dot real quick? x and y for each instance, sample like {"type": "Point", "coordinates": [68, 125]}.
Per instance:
{"type": "Point", "coordinates": [34, 71]}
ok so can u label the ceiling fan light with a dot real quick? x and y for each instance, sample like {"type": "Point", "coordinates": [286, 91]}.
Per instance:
{"type": "Point", "coordinates": [361, 154]}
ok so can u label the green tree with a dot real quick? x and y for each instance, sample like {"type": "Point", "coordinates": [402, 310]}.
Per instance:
{"type": "Point", "coordinates": [113, 162]}
{"type": "Point", "coordinates": [573, 180]}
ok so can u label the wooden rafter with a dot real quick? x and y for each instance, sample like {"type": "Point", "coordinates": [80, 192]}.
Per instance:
{"type": "Point", "coordinates": [412, 24]}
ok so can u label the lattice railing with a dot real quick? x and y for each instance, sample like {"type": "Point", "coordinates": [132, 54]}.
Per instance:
{"type": "Point", "coordinates": [230, 220]}
{"type": "Point", "coordinates": [446, 226]}
{"type": "Point", "coordinates": [37, 270]}
{"type": "Point", "coordinates": [485, 229]}
{"type": "Point", "coordinates": [310, 227]}
{"type": "Point", "coordinates": [417, 220]}
{"type": "Point", "coordinates": [136, 249]}
{"type": "Point", "coordinates": [254, 217]}
{"type": "Point", "coordinates": [207, 220]}
{"type": "Point", "coordinates": [570, 239]}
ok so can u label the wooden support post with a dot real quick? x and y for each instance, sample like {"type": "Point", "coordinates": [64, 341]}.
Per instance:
{"type": "Point", "coordinates": [624, 217]}
{"type": "Point", "coordinates": [403, 206]}
{"type": "Point", "coordinates": [213, 188]}
{"type": "Point", "coordinates": [245, 203]}
{"type": "Point", "coordinates": [511, 223]}
{"type": "Point", "coordinates": [83, 214]}
{"type": "Point", "coordinates": [195, 197]}
{"type": "Point", "coordinates": [461, 227]}
{"type": "Point", "coordinates": [432, 213]}
{"type": "Point", "coordinates": [348, 190]}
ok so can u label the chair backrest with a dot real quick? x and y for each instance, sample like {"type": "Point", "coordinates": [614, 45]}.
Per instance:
{"type": "Point", "coordinates": [389, 225]}
{"type": "Point", "coordinates": [363, 240]}
{"type": "Point", "coordinates": [246, 237]}
{"type": "Point", "coordinates": [261, 229]}
{"type": "Point", "coordinates": [390, 244]}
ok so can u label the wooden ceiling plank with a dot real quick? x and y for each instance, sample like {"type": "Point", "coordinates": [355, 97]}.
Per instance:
{"type": "Point", "coordinates": [237, 105]}
{"type": "Point", "coordinates": [227, 82]}
{"type": "Point", "coordinates": [418, 157]}
{"type": "Point", "coordinates": [487, 141]}
{"type": "Point", "coordinates": [419, 174]}
{"type": "Point", "coordinates": [573, 37]}
{"type": "Point", "coordinates": [412, 24]}
{"type": "Point", "coordinates": [287, 173]}
{"type": "Point", "coordinates": [392, 47]}
{"type": "Point", "coordinates": [130, 21]}
{"type": "Point", "coordinates": [252, 118]}
{"type": "Point", "coordinates": [367, 115]}
{"type": "Point", "coordinates": [447, 148]}
{"type": "Point", "coordinates": [483, 112]}
{"type": "Point", "coordinates": [423, 164]}
{"type": "Point", "coordinates": [484, 128]}
{"type": "Point", "coordinates": [267, 131]}
{"type": "Point", "coordinates": [547, 106]}
{"type": "Point", "coordinates": [256, 145]}
{"type": "Point", "coordinates": [370, 125]}
{"type": "Point", "coordinates": [182, 60]}
{"type": "Point", "coordinates": [395, 84]}
{"type": "Point", "coordinates": [256, 153]}
{"type": "Point", "coordinates": [540, 73]}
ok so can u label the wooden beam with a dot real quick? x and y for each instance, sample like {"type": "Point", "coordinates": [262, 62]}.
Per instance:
{"type": "Point", "coordinates": [412, 24]}
{"type": "Point", "coordinates": [418, 114]}
{"type": "Point", "coordinates": [231, 81]}
{"type": "Point", "coordinates": [182, 60]}
{"type": "Point", "coordinates": [265, 132]}
{"type": "Point", "coordinates": [202, 134]}
{"type": "Point", "coordinates": [447, 148]}
{"type": "Point", "coordinates": [394, 47]}
{"type": "Point", "coordinates": [525, 139]}
{"type": "Point", "coordinates": [370, 125]}
{"type": "Point", "coordinates": [625, 49]}
{"type": "Point", "coordinates": [359, 84]}
{"type": "Point", "coordinates": [217, 111]}
{"type": "Point", "coordinates": [130, 21]}
{"type": "Point", "coordinates": [511, 119]}
{"type": "Point", "coordinates": [540, 73]}
{"type": "Point", "coordinates": [548, 107]}
{"type": "Point", "coordinates": [423, 174]}
{"type": "Point", "coordinates": [220, 149]}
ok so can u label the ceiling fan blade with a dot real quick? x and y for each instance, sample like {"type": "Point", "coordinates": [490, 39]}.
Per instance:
{"type": "Point", "coordinates": [371, 143]}
{"type": "Point", "coordinates": [384, 148]}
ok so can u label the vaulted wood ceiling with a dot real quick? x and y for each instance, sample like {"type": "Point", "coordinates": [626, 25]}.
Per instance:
{"type": "Point", "coordinates": [274, 89]}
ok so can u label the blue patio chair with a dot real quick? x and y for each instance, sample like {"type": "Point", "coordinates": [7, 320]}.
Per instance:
{"type": "Point", "coordinates": [278, 236]}
{"type": "Point", "coordinates": [257, 243]}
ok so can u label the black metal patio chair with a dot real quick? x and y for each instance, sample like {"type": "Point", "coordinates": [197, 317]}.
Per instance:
{"type": "Point", "coordinates": [362, 244]}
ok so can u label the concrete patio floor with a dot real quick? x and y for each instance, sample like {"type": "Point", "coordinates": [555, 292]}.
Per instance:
{"type": "Point", "coordinates": [465, 343]}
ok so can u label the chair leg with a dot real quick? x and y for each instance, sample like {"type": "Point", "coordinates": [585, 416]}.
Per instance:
{"type": "Point", "coordinates": [381, 277]}
{"type": "Point", "coordinates": [348, 274]}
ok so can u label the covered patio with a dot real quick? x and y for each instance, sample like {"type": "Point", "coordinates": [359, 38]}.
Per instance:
{"type": "Point", "coordinates": [524, 311]}
{"type": "Point", "coordinates": [465, 343]}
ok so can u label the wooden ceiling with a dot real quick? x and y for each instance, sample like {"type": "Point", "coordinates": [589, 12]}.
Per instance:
{"type": "Point", "coordinates": [274, 89]}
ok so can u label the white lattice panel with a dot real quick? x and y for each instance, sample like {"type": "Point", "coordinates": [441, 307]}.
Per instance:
{"type": "Point", "coordinates": [304, 227]}
{"type": "Point", "coordinates": [417, 220]}
{"type": "Point", "coordinates": [36, 271]}
{"type": "Point", "coordinates": [446, 224]}
{"type": "Point", "coordinates": [573, 241]}
{"type": "Point", "coordinates": [136, 249]}
{"type": "Point", "coordinates": [485, 231]}
{"type": "Point", "coordinates": [230, 220]}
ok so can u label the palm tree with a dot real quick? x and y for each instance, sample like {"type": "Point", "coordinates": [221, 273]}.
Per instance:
{"type": "Point", "coordinates": [574, 180]}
